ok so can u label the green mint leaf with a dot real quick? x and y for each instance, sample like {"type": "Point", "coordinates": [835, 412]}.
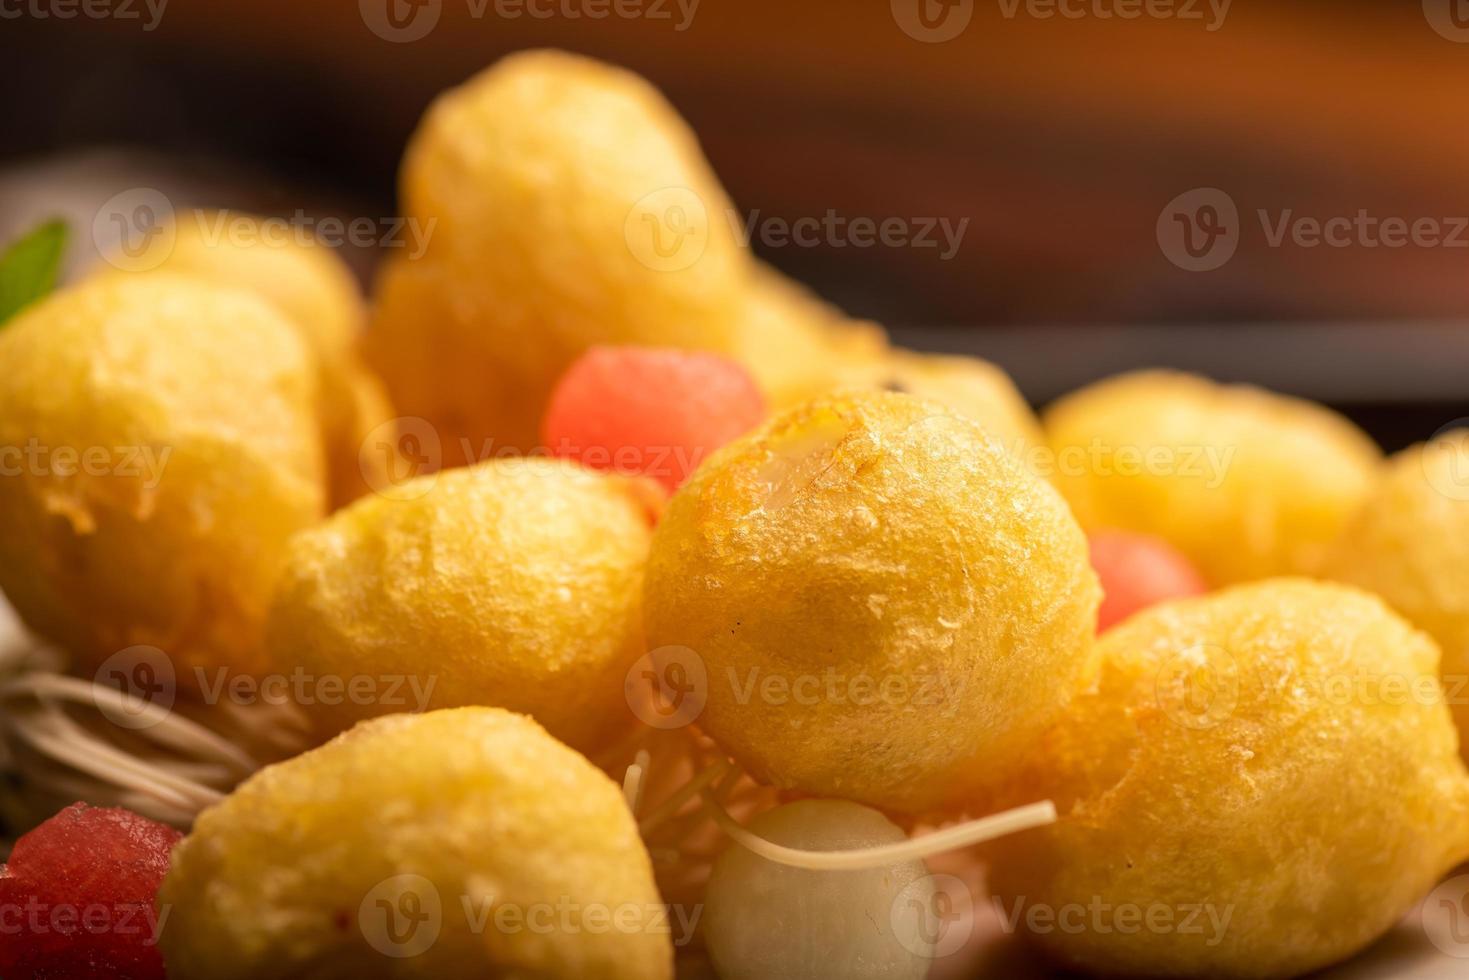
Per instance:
{"type": "Point", "coordinates": [29, 268]}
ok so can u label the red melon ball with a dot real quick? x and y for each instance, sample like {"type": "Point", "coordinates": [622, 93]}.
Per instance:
{"type": "Point", "coordinates": [651, 411]}
{"type": "Point", "coordinates": [76, 899]}
{"type": "Point", "coordinates": [1137, 571]}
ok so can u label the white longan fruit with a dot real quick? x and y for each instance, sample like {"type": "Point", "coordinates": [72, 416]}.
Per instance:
{"type": "Point", "coordinates": [769, 921]}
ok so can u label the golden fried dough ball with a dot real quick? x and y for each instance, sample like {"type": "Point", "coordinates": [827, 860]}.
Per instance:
{"type": "Point", "coordinates": [315, 290]}
{"type": "Point", "coordinates": [886, 604]}
{"type": "Point", "coordinates": [1260, 783]}
{"type": "Point", "coordinates": [305, 280]}
{"type": "Point", "coordinates": [1246, 483]}
{"type": "Point", "coordinates": [971, 387]}
{"type": "Point", "coordinates": [458, 843]}
{"type": "Point", "coordinates": [799, 347]}
{"type": "Point", "coordinates": [1410, 545]}
{"type": "Point", "coordinates": [477, 410]}
{"type": "Point", "coordinates": [569, 206]}
{"type": "Point", "coordinates": [515, 583]}
{"type": "Point", "coordinates": [161, 447]}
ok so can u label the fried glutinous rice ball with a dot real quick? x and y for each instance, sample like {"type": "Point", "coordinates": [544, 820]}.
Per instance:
{"type": "Point", "coordinates": [160, 447]}
{"type": "Point", "coordinates": [457, 843]}
{"type": "Point", "coordinates": [1260, 783]}
{"type": "Point", "coordinates": [312, 287]}
{"type": "Point", "coordinates": [514, 583]}
{"type": "Point", "coordinates": [971, 387]}
{"type": "Point", "coordinates": [800, 347]}
{"type": "Point", "coordinates": [887, 606]}
{"type": "Point", "coordinates": [1246, 483]}
{"type": "Point", "coordinates": [571, 206]}
{"type": "Point", "coordinates": [1410, 545]}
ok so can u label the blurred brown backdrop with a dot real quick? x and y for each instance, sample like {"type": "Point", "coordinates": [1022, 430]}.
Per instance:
{"type": "Point", "coordinates": [1057, 131]}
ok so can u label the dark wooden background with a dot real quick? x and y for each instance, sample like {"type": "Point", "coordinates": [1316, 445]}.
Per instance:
{"type": "Point", "coordinates": [1059, 140]}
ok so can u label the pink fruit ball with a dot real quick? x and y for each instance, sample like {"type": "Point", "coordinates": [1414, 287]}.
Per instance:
{"type": "Point", "coordinates": [1137, 571]}
{"type": "Point", "coordinates": [652, 411]}
{"type": "Point", "coordinates": [76, 899]}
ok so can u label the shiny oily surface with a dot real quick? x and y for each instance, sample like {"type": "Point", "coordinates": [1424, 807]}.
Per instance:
{"type": "Point", "coordinates": [1246, 483]}
{"type": "Point", "coordinates": [168, 525]}
{"type": "Point", "coordinates": [767, 921]}
{"type": "Point", "coordinates": [419, 846]}
{"type": "Point", "coordinates": [1410, 545]}
{"type": "Point", "coordinates": [515, 583]}
{"type": "Point", "coordinates": [572, 207]}
{"type": "Point", "coordinates": [886, 606]}
{"type": "Point", "coordinates": [1267, 775]}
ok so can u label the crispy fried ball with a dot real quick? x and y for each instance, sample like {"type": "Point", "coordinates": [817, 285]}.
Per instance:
{"type": "Point", "coordinates": [570, 206]}
{"type": "Point", "coordinates": [1410, 545]}
{"type": "Point", "coordinates": [800, 347]}
{"type": "Point", "coordinates": [515, 583]}
{"type": "Point", "coordinates": [315, 290]}
{"type": "Point", "coordinates": [886, 604]}
{"type": "Point", "coordinates": [458, 843]}
{"type": "Point", "coordinates": [1246, 483]}
{"type": "Point", "coordinates": [160, 446]}
{"type": "Point", "coordinates": [971, 387]}
{"type": "Point", "coordinates": [1259, 784]}
{"type": "Point", "coordinates": [477, 409]}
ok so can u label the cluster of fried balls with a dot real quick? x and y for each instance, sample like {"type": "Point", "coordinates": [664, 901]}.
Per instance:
{"type": "Point", "coordinates": [887, 569]}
